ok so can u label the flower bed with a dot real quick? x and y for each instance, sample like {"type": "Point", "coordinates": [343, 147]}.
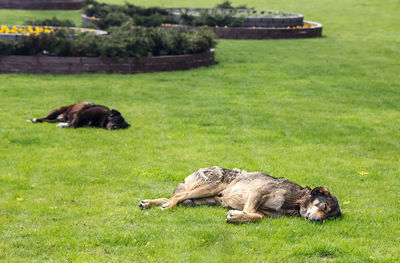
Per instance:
{"type": "Point", "coordinates": [307, 30]}
{"type": "Point", "coordinates": [16, 32]}
{"type": "Point", "coordinates": [104, 15]}
{"type": "Point", "coordinates": [228, 23]}
{"type": "Point", "coordinates": [126, 49]}
{"type": "Point", "coordinates": [235, 17]}
{"type": "Point", "coordinates": [121, 42]}
{"type": "Point", "coordinates": [74, 65]}
{"type": "Point", "coordinates": [42, 4]}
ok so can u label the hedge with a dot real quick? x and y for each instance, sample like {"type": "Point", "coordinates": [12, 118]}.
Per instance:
{"type": "Point", "coordinates": [125, 41]}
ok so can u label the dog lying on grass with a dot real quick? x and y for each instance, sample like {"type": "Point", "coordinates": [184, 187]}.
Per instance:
{"type": "Point", "coordinates": [85, 114]}
{"type": "Point", "coordinates": [253, 195]}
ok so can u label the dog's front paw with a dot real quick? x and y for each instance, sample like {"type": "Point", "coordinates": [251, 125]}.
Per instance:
{"type": "Point", "coordinates": [234, 216]}
{"type": "Point", "coordinates": [32, 120]}
{"type": "Point", "coordinates": [144, 204]}
{"type": "Point", "coordinates": [63, 124]}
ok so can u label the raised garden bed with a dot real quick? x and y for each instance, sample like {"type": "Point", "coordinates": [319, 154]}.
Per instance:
{"type": "Point", "coordinates": [248, 17]}
{"type": "Point", "coordinates": [42, 4]}
{"type": "Point", "coordinates": [269, 18]}
{"type": "Point", "coordinates": [16, 32]}
{"type": "Point", "coordinates": [237, 23]}
{"type": "Point", "coordinates": [74, 65]}
{"type": "Point", "coordinates": [307, 30]}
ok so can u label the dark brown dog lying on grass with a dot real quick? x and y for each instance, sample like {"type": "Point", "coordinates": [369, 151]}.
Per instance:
{"type": "Point", "coordinates": [252, 195]}
{"type": "Point", "coordinates": [85, 114]}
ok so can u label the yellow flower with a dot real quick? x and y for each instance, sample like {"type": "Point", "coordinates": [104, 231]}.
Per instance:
{"type": "Point", "coordinates": [20, 199]}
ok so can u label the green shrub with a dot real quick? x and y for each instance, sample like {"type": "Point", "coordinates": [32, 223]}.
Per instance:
{"type": "Point", "coordinates": [113, 19]}
{"type": "Point", "coordinates": [228, 5]}
{"type": "Point", "coordinates": [211, 18]}
{"type": "Point", "coordinates": [7, 47]}
{"type": "Point", "coordinates": [50, 22]}
{"type": "Point", "coordinates": [124, 41]}
{"type": "Point", "coordinates": [116, 15]}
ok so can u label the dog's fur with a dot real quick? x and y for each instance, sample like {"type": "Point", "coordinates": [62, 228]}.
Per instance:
{"type": "Point", "coordinates": [85, 114]}
{"type": "Point", "coordinates": [253, 195]}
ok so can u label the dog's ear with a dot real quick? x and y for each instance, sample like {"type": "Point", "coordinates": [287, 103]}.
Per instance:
{"type": "Point", "coordinates": [321, 190]}
{"type": "Point", "coordinates": [115, 112]}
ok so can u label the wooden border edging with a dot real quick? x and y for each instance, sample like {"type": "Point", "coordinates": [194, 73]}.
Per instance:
{"type": "Point", "coordinates": [75, 65]}
{"type": "Point", "coordinates": [42, 4]}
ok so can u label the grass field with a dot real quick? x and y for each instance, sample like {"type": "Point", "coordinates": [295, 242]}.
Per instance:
{"type": "Point", "coordinates": [316, 111]}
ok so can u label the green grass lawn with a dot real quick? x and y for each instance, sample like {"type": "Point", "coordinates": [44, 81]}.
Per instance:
{"type": "Point", "coordinates": [316, 111]}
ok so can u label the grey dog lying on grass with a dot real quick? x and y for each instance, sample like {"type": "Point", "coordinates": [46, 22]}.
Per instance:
{"type": "Point", "coordinates": [253, 195]}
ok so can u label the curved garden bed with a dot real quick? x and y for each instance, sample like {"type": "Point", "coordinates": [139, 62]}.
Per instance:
{"type": "Point", "coordinates": [250, 18]}
{"type": "Point", "coordinates": [42, 4]}
{"type": "Point", "coordinates": [74, 65]}
{"type": "Point", "coordinates": [16, 32]}
{"type": "Point", "coordinates": [126, 49]}
{"type": "Point", "coordinates": [269, 18]}
{"type": "Point", "coordinates": [231, 23]}
{"type": "Point", "coordinates": [307, 30]}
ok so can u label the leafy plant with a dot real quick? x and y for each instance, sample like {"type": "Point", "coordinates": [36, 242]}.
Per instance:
{"type": "Point", "coordinates": [116, 15]}
{"type": "Point", "coordinates": [211, 18]}
{"type": "Point", "coordinates": [228, 5]}
{"type": "Point", "coordinates": [124, 41]}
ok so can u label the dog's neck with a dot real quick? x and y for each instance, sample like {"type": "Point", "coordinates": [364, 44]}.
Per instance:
{"type": "Point", "coordinates": [106, 121]}
{"type": "Point", "coordinates": [304, 199]}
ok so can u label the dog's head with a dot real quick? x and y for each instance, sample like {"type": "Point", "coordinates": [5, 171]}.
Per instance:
{"type": "Point", "coordinates": [116, 121]}
{"type": "Point", "coordinates": [320, 205]}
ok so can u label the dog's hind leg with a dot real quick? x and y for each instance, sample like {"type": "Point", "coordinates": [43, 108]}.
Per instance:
{"type": "Point", "coordinates": [180, 188]}
{"type": "Point", "coordinates": [54, 116]}
{"type": "Point", "coordinates": [200, 201]}
{"type": "Point", "coordinates": [199, 191]}
{"type": "Point", "coordinates": [160, 201]}
{"type": "Point", "coordinates": [249, 212]}
{"type": "Point", "coordinates": [148, 203]}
